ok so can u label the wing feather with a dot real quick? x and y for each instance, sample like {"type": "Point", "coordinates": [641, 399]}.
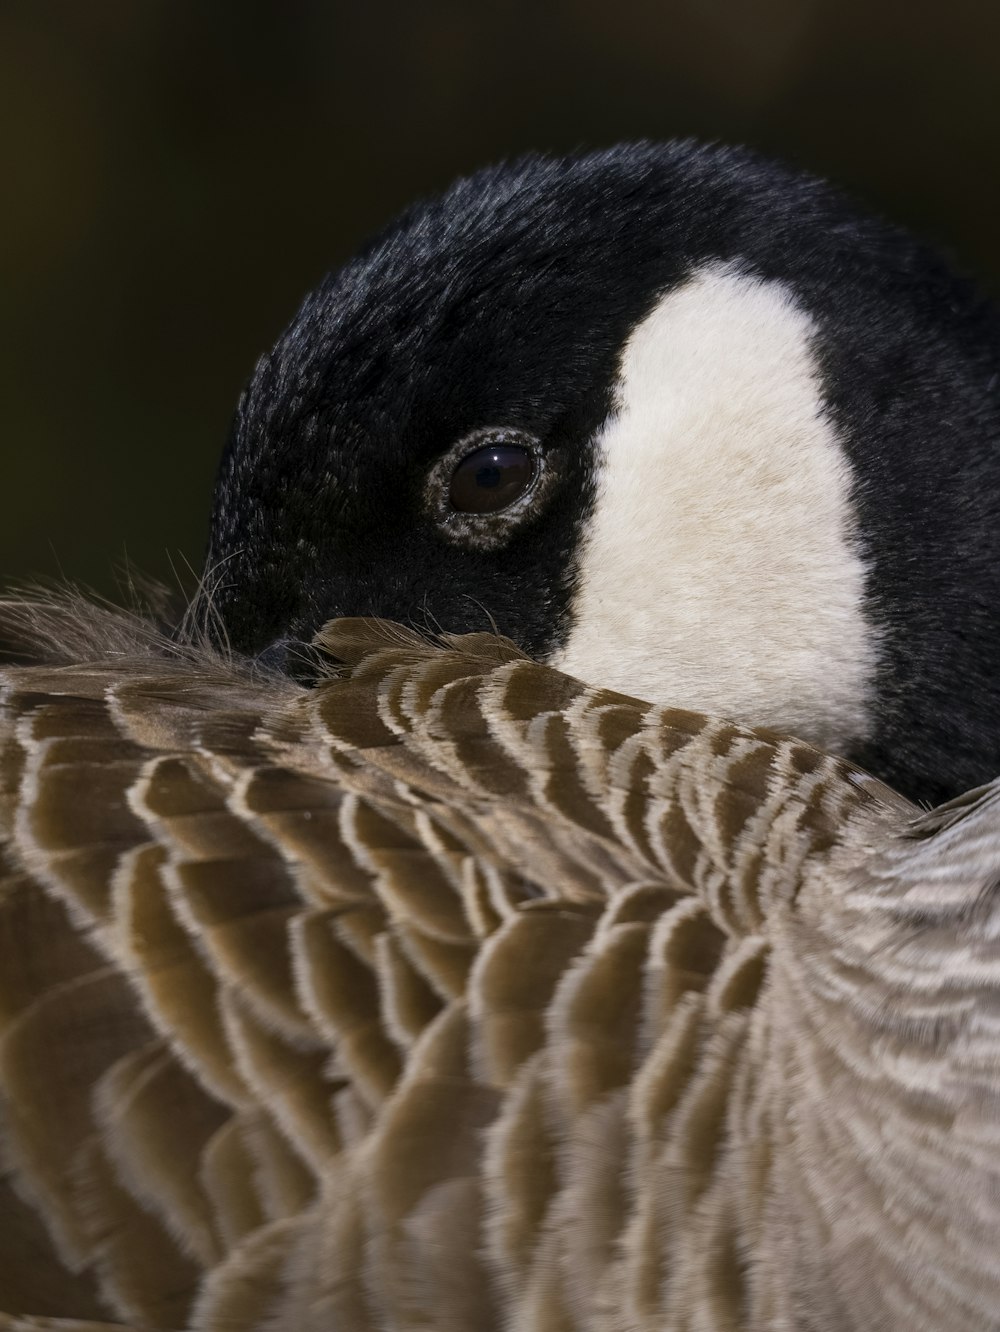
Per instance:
{"type": "Point", "coordinates": [455, 993]}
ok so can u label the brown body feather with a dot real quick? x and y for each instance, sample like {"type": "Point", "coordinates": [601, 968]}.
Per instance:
{"type": "Point", "coordinates": [452, 994]}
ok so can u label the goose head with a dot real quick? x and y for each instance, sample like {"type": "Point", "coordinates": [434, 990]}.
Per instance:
{"type": "Point", "coordinates": [675, 419]}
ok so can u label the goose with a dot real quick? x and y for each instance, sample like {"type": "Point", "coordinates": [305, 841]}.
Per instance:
{"type": "Point", "coordinates": [370, 975]}
{"type": "Point", "coordinates": [677, 420]}
{"type": "Point", "coordinates": [453, 992]}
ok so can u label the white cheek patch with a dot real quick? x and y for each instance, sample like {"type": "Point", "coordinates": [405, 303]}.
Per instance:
{"type": "Point", "coordinates": [720, 570]}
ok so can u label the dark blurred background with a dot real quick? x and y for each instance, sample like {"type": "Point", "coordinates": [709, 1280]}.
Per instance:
{"type": "Point", "coordinates": [176, 174]}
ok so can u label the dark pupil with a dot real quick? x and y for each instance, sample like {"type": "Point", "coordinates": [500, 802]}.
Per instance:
{"type": "Point", "coordinates": [491, 478]}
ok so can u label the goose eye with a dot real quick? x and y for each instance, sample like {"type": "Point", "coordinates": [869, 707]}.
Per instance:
{"type": "Point", "coordinates": [491, 478]}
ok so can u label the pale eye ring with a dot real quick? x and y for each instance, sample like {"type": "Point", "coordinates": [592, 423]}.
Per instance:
{"type": "Point", "coordinates": [490, 483]}
{"type": "Point", "coordinates": [491, 478]}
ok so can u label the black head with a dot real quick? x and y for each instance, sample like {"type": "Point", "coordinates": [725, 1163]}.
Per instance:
{"type": "Point", "coordinates": [473, 354]}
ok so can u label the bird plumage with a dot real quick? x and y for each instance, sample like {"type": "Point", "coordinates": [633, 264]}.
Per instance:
{"type": "Point", "coordinates": [456, 993]}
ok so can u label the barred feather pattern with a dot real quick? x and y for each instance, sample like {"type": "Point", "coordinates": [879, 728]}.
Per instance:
{"type": "Point", "coordinates": [455, 994]}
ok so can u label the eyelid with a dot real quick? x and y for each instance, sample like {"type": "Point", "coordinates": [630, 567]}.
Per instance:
{"type": "Point", "coordinates": [488, 531]}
